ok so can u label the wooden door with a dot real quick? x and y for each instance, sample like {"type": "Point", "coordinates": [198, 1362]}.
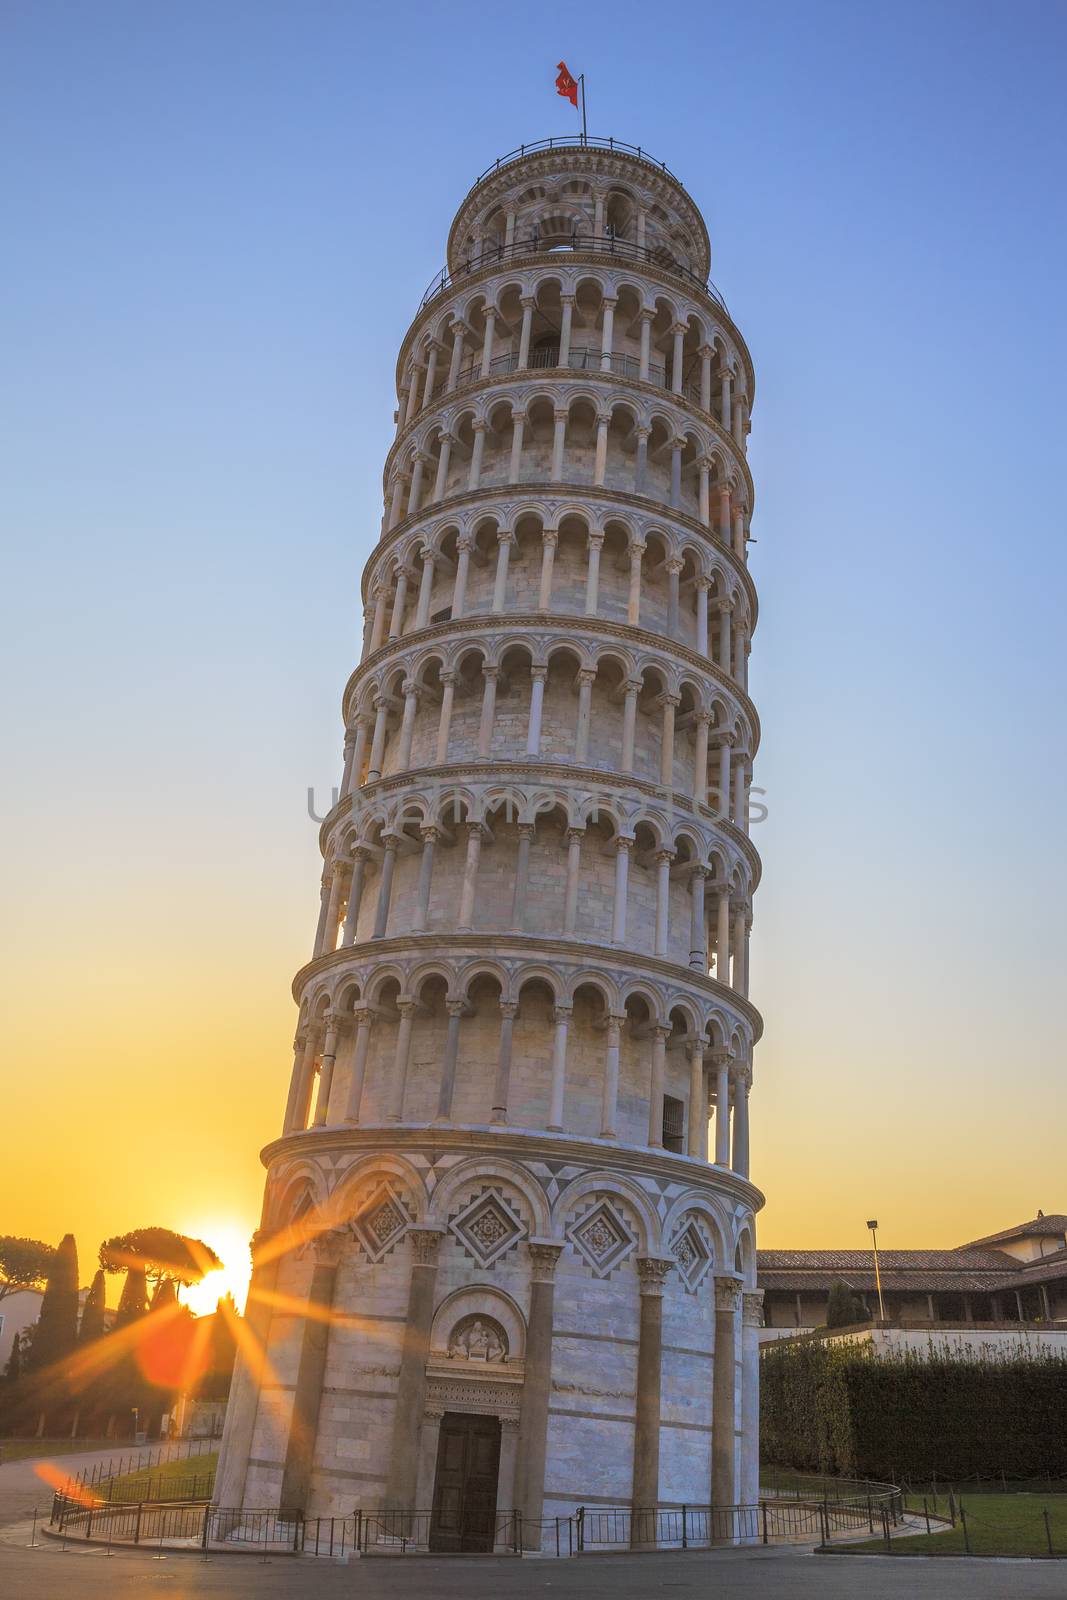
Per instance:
{"type": "Point", "coordinates": [464, 1494]}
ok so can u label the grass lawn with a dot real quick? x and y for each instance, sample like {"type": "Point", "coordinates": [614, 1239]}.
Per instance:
{"type": "Point", "coordinates": [997, 1524]}
{"type": "Point", "coordinates": [191, 1476]}
{"type": "Point", "coordinates": [23, 1449]}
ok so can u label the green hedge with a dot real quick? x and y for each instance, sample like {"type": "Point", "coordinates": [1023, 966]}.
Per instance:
{"type": "Point", "coordinates": [832, 1407]}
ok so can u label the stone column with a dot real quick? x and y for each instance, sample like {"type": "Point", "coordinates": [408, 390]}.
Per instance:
{"type": "Point", "coordinates": [487, 341]}
{"type": "Point", "coordinates": [243, 1404]}
{"type": "Point", "coordinates": [725, 744]}
{"type": "Point", "coordinates": [299, 1046]}
{"type": "Point", "coordinates": [660, 1034]}
{"type": "Point", "coordinates": [632, 687]}
{"type": "Point", "coordinates": [332, 1022]}
{"type": "Point", "coordinates": [674, 572]}
{"type": "Point", "coordinates": [585, 691]}
{"type": "Point", "coordinates": [678, 333]}
{"type": "Point", "coordinates": [646, 345]}
{"type": "Point", "coordinates": [325, 888]}
{"type": "Point", "coordinates": [633, 605]}
{"type": "Point", "coordinates": [504, 541]}
{"type": "Point", "coordinates": [669, 702]}
{"type": "Point", "coordinates": [652, 1274]}
{"type": "Point", "coordinates": [474, 476]}
{"type": "Point", "coordinates": [751, 1322]}
{"type": "Point", "coordinates": [725, 608]}
{"type": "Point", "coordinates": [570, 897]}
{"type": "Point", "coordinates": [518, 428]}
{"type": "Point", "coordinates": [415, 489]}
{"type": "Point", "coordinates": [536, 1390]}
{"type": "Point", "coordinates": [592, 573]}
{"type": "Point", "coordinates": [697, 1135]}
{"type": "Point", "coordinates": [549, 541]}
{"type": "Point", "coordinates": [508, 1011]}
{"type": "Point", "coordinates": [485, 727]}
{"type": "Point", "coordinates": [385, 886]}
{"type": "Point", "coordinates": [470, 874]}
{"type": "Point", "coordinates": [600, 458]}
{"type": "Point", "coordinates": [705, 378]}
{"type": "Point", "coordinates": [354, 776]}
{"type": "Point", "coordinates": [338, 885]}
{"type": "Point", "coordinates": [430, 836]}
{"type": "Point", "coordinates": [610, 1104]}
{"type": "Point", "coordinates": [608, 334]}
{"type": "Point", "coordinates": [429, 1443]}
{"type": "Point", "coordinates": [360, 856]}
{"type": "Point", "coordinates": [739, 1160]}
{"type": "Point", "coordinates": [459, 336]}
{"type": "Point", "coordinates": [724, 410]}
{"type": "Point", "coordinates": [364, 1022]}
{"type": "Point", "coordinates": [401, 1058]}
{"type": "Point", "coordinates": [738, 942]}
{"type": "Point", "coordinates": [702, 724]}
{"type": "Point", "coordinates": [641, 461]}
{"type": "Point", "coordinates": [698, 939]}
{"type": "Point", "coordinates": [459, 584]}
{"type": "Point", "coordinates": [411, 1384]}
{"type": "Point", "coordinates": [567, 303]}
{"type": "Point", "coordinates": [407, 724]}
{"type": "Point", "coordinates": [664, 858]}
{"type": "Point", "coordinates": [623, 846]}
{"type": "Point", "coordinates": [444, 460]}
{"type": "Point", "coordinates": [723, 1401]}
{"type": "Point", "coordinates": [722, 1108]}
{"type": "Point", "coordinates": [524, 332]}
{"type": "Point", "coordinates": [701, 588]}
{"type": "Point", "coordinates": [400, 600]}
{"type": "Point", "coordinates": [455, 1009]}
{"type": "Point", "coordinates": [444, 725]}
{"type": "Point", "coordinates": [304, 1080]}
{"type": "Point", "coordinates": [311, 1368]}
{"type": "Point", "coordinates": [431, 374]}
{"type": "Point", "coordinates": [724, 514]}
{"type": "Point", "coordinates": [538, 676]}
{"type": "Point", "coordinates": [422, 608]}
{"type": "Point", "coordinates": [522, 874]}
{"type": "Point", "coordinates": [559, 439]}
{"type": "Point", "coordinates": [677, 445]}
{"type": "Point", "coordinates": [396, 501]}
{"type": "Point", "coordinates": [561, 1016]}
{"type": "Point", "coordinates": [377, 746]}
{"type": "Point", "coordinates": [377, 632]}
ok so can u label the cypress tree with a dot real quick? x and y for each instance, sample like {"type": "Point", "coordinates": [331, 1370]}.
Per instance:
{"type": "Point", "coordinates": [56, 1333]}
{"type": "Point", "coordinates": [92, 1322]}
{"type": "Point", "coordinates": [133, 1302]}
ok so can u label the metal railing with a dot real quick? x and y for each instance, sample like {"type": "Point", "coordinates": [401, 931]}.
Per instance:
{"type": "Point", "coordinates": [571, 141]}
{"type": "Point", "coordinates": [493, 254]}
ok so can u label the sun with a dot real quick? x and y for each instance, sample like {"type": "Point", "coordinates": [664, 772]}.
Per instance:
{"type": "Point", "coordinates": [229, 1240]}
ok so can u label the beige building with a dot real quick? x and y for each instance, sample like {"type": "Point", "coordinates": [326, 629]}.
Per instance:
{"type": "Point", "coordinates": [528, 997]}
{"type": "Point", "coordinates": [1011, 1283]}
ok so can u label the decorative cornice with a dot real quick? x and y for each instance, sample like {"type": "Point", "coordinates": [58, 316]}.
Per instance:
{"type": "Point", "coordinates": [541, 772]}
{"type": "Point", "coordinates": [533, 947]}
{"type": "Point", "coordinates": [520, 623]}
{"type": "Point", "coordinates": [603, 1155]}
{"type": "Point", "coordinates": [538, 377]}
{"type": "Point", "coordinates": [574, 494]}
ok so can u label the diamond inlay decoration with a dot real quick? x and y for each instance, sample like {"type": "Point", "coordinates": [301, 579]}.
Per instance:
{"type": "Point", "coordinates": [602, 1239]}
{"type": "Point", "coordinates": [692, 1253]}
{"type": "Point", "coordinates": [487, 1228]}
{"type": "Point", "coordinates": [381, 1223]}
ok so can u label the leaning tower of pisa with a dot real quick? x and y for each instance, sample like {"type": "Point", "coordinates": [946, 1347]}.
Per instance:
{"type": "Point", "coordinates": [507, 1261]}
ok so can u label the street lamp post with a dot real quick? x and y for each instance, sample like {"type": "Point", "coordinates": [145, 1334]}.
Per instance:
{"type": "Point", "coordinates": [873, 1225]}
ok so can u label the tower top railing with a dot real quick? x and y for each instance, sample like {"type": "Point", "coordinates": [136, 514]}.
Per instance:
{"type": "Point", "coordinates": [576, 141]}
{"type": "Point", "coordinates": [489, 253]}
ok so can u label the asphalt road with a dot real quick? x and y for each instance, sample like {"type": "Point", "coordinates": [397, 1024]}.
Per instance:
{"type": "Point", "coordinates": [756, 1574]}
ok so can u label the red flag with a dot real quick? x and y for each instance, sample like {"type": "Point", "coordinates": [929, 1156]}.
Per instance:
{"type": "Point", "coordinates": [567, 86]}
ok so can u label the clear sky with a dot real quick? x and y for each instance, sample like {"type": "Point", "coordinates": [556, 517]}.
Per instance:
{"type": "Point", "coordinates": [218, 223]}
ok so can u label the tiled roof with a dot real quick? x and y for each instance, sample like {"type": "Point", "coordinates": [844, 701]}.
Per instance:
{"type": "Point", "coordinates": [1039, 1227]}
{"type": "Point", "coordinates": [963, 1271]}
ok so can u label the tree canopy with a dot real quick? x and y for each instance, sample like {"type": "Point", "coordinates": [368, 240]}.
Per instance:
{"type": "Point", "coordinates": [159, 1254]}
{"type": "Point", "coordinates": [24, 1263]}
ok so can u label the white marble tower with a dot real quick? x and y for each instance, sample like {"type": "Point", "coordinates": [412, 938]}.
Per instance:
{"type": "Point", "coordinates": [521, 1265]}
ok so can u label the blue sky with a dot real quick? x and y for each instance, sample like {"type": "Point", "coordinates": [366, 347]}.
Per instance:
{"type": "Point", "coordinates": [219, 223]}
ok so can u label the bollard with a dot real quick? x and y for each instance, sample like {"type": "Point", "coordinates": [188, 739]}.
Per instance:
{"type": "Point", "coordinates": [33, 1532]}
{"type": "Point", "coordinates": [966, 1536]}
{"type": "Point", "coordinates": [870, 1515]}
{"type": "Point", "coordinates": [1048, 1532]}
{"type": "Point", "coordinates": [926, 1514]}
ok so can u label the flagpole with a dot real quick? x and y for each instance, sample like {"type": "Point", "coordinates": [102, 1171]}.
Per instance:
{"type": "Point", "coordinates": [581, 82]}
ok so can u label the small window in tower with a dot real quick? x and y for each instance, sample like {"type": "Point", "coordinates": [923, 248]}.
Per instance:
{"type": "Point", "coordinates": [673, 1125]}
{"type": "Point", "coordinates": [444, 615]}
